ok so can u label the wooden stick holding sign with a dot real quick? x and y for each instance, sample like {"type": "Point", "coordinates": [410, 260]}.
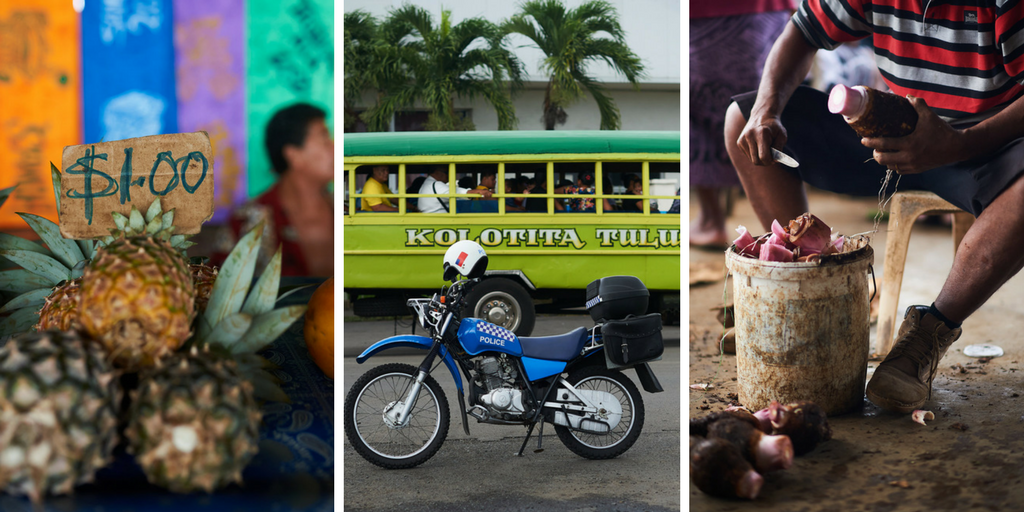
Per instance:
{"type": "Point", "coordinates": [113, 176]}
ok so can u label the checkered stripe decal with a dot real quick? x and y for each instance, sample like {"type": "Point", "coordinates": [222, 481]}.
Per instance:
{"type": "Point", "coordinates": [496, 331]}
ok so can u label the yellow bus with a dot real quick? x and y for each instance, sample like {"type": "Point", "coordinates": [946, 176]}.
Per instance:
{"type": "Point", "coordinates": [563, 209]}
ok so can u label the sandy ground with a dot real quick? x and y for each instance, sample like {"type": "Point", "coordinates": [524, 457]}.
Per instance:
{"type": "Point", "coordinates": [970, 457]}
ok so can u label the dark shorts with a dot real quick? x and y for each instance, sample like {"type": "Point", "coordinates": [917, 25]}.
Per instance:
{"type": "Point", "coordinates": [832, 158]}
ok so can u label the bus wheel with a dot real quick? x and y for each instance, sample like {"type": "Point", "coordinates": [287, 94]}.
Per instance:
{"type": "Point", "coordinates": [502, 302]}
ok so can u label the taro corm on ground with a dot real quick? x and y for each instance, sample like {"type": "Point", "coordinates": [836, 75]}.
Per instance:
{"type": "Point", "coordinates": [718, 469]}
{"type": "Point", "coordinates": [765, 452]}
{"type": "Point", "coordinates": [804, 422]}
{"type": "Point", "coordinates": [699, 426]}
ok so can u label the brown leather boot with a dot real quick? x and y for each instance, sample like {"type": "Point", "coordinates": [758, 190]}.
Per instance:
{"type": "Point", "coordinates": [903, 382]}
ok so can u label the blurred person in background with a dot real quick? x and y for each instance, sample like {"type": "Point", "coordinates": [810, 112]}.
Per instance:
{"type": "Point", "coordinates": [298, 209]}
{"type": "Point", "coordinates": [729, 42]}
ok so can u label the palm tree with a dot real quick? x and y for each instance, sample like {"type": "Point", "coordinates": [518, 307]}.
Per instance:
{"type": "Point", "coordinates": [569, 40]}
{"type": "Point", "coordinates": [360, 38]}
{"type": "Point", "coordinates": [374, 61]}
{"type": "Point", "coordinates": [444, 62]}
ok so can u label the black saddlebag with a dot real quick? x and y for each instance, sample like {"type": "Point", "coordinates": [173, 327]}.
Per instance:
{"type": "Point", "coordinates": [632, 340]}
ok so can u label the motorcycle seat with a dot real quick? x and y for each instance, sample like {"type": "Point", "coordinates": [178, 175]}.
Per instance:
{"type": "Point", "coordinates": [561, 347]}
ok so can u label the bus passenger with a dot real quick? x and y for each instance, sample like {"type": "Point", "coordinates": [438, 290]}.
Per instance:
{"type": "Point", "coordinates": [585, 185]}
{"type": "Point", "coordinates": [487, 181]}
{"type": "Point", "coordinates": [540, 204]}
{"type": "Point", "coordinates": [634, 187]}
{"type": "Point", "coordinates": [377, 184]}
{"type": "Point", "coordinates": [512, 204]}
{"type": "Point", "coordinates": [437, 183]}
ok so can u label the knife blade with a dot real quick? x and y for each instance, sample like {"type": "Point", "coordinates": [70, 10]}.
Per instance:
{"type": "Point", "coordinates": [784, 159]}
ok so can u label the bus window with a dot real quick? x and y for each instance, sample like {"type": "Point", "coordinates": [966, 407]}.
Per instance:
{"type": "Point", "coordinates": [435, 178]}
{"type": "Point", "coordinates": [526, 179]}
{"type": "Point", "coordinates": [582, 175]}
{"type": "Point", "coordinates": [618, 178]}
{"type": "Point", "coordinates": [375, 180]}
{"type": "Point", "coordinates": [476, 177]}
{"type": "Point", "coordinates": [665, 180]}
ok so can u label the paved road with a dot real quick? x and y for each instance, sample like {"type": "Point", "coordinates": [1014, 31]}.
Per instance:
{"type": "Point", "coordinates": [480, 471]}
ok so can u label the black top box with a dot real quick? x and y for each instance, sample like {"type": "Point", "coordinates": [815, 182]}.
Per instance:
{"type": "Point", "coordinates": [615, 297]}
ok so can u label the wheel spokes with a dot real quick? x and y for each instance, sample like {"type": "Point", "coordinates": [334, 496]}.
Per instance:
{"type": "Point", "coordinates": [400, 441]}
{"type": "Point", "coordinates": [618, 432]}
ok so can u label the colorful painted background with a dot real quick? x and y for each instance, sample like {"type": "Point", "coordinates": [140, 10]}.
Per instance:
{"type": "Point", "coordinates": [129, 68]}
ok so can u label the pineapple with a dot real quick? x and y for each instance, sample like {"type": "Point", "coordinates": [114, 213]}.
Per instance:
{"type": "Point", "coordinates": [58, 413]}
{"type": "Point", "coordinates": [137, 293]}
{"type": "Point", "coordinates": [48, 283]}
{"type": "Point", "coordinates": [195, 422]}
{"type": "Point", "coordinates": [60, 309]}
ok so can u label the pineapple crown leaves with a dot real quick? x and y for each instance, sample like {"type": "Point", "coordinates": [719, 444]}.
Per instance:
{"type": "Point", "coordinates": [40, 272]}
{"type": "Point", "coordinates": [42, 269]}
{"type": "Point", "coordinates": [6, 192]}
{"type": "Point", "coordinates": [156, 223]}
{"type": "Point", "coordinates": [18, 322]}
{"type": "Point", "coordinates": [237, 318]}
{"type": "Point", "coordinates": [55, 178]}
{"type": "Point", "coordinates": [240, 321]}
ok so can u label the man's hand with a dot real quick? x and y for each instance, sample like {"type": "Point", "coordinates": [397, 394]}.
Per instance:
{"type": "Point", "coordinates": [758, 137]}
{"type": "Point", "coordinates": [933, 143]}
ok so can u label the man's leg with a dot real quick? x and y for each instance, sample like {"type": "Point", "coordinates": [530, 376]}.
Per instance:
{"type": "Point", "coordinates": [990, 254]}
{"type": "Point", "coordinates": [774, 192]}
{"type": "Point", "coordinates": [709, 228]}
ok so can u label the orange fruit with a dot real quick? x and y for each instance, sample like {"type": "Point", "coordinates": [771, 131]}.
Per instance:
{"type": "Point", "coordinates": [319, 328]}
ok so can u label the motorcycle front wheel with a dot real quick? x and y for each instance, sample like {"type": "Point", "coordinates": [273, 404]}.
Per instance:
{"type": "Point", "coordinates": [375, 434]}
{"type": "Point", "coordinates": [623, 434]}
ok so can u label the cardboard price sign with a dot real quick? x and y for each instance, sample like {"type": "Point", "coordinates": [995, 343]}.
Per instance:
{"type": "Point", "coordinates": [98, 179]}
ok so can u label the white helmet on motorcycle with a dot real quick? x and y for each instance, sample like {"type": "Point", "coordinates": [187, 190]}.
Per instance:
{"type": "Point", "coordinates": [464, 257]}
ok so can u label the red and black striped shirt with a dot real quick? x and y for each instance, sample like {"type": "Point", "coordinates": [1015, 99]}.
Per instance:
{"type": "Point", "coordinates": [963, 57]}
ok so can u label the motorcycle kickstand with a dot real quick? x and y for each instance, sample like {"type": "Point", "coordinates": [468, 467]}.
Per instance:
{"type": "Point", "coordinates": [527, 440]}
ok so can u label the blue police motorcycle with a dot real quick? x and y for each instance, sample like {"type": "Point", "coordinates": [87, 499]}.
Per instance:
{"type": "Point", "coordinates": [397, 416]}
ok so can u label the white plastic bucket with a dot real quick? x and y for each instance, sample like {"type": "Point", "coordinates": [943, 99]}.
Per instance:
{"type": "Point", "coordinates": [802, 330]}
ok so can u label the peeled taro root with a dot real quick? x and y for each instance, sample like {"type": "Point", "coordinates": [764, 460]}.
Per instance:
{"type": "Point", "coordinates": [772, 252]}
{"type": "Point", "coordinates": [804, 422]}
{"type": "Point", "coordinates": [780, 231]}
{"type": "Point", "coordinates": [806, 239]}
{"type": "Point", "coordinates": [746, 244]}
{"type": "Point", "coordinates": [718, 469]}
{"type": "Point", "coordinates": [699, 426]}
{"type": "Point", "coordinates": [765, 452]}
{"type": "Point", "coordinates": [810, 234]}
